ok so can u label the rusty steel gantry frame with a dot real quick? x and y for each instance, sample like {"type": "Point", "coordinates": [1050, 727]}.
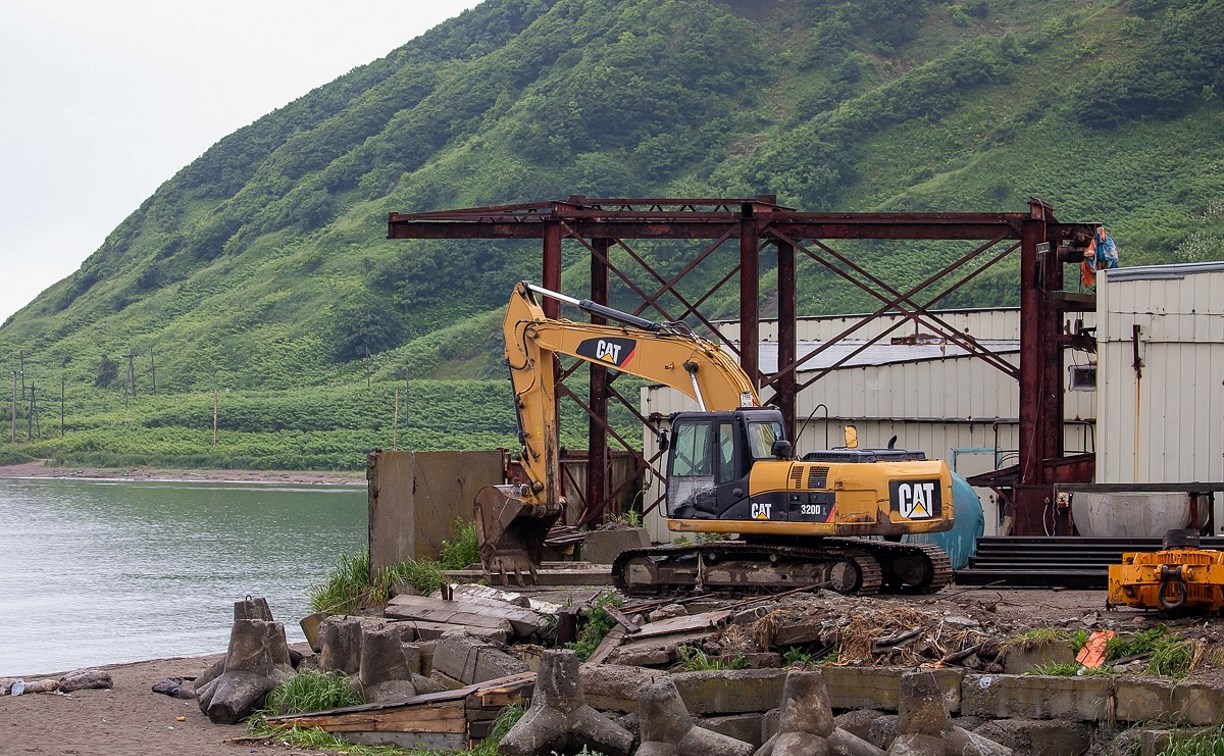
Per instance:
{"type": "Point", "coordinates": [1045, 246]}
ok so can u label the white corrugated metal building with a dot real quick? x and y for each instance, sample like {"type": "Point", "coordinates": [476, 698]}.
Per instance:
{"type": "Point", "coordinates": [929, 393]}
{"type": "Point", "coordinates": [1163, 420]}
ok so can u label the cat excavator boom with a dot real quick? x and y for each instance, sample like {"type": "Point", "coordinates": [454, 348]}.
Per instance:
{"type": "Point", "coordinates": [729, 471]}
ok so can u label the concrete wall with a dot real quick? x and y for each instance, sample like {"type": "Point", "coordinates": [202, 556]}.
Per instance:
{"type": "Point", "coordinates": [415, 498]}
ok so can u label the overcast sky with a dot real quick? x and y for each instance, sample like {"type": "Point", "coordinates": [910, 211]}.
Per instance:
{"type": "Point", "coordinates": [103, 100]}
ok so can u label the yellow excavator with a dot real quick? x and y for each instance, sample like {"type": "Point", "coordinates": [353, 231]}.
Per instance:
{"type": "Point", "coordinates": [730, 472]}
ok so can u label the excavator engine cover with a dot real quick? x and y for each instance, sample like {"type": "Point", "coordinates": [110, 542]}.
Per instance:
{"type": "Point", "coordinates": [1179, 578]}
{"type": "Point", "coordinates": [510, 533]}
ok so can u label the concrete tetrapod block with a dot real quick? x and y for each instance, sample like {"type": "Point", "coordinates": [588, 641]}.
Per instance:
{"type": "Point", "coordinates": [252, 608]}
{"type": "Point", "coordinates": [668, 728]}
{"type": "Point", "coordinates": [559, 717]}
{"type": "Point", "coordinates": [340, 645]}
{"type": "Point", "coordinates": [256, 662]}
{"type": "Point", "coordinates": [385, 673]}
{"type": "Point", "coordinates": [924, 726]}
{"type": "Point", "coordinates": [805, 722]}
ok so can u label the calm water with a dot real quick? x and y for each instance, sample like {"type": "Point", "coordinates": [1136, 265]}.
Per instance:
{"type": "Point", "coordinates": [98, 572]}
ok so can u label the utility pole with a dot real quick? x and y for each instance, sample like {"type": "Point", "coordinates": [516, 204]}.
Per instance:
{"type": "Point", "coordinates": [33, 413]}
{"type": "Point", "coordinates": [153, 368]}
{"type": "Point", "coordinates": [14, 422]}
{"type": "Point", "coordinates": [63, 383]}
{"type": "Point", "coordinates": [214, 418]}
{"type": "Point", "coordinates": [131, 358]}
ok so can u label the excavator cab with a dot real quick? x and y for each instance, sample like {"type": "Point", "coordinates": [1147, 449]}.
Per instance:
{"type": "Point", "coordinates": [710, 460]}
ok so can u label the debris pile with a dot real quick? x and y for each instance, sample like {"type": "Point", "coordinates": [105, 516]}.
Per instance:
{"type": "Point", "coordinates": [702, 675]}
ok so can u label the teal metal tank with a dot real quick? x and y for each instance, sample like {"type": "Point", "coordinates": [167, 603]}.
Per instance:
{"type": "Point", "coordinates": [969, 523]}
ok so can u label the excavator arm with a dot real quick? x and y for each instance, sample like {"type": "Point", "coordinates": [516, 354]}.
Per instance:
{"type": "Point", "coordinates": [512, 521]}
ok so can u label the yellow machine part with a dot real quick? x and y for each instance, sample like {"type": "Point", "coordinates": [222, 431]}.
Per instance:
{"type": "Point", "coordinates": [1171, 580]}
{"type": "Point", "coordinates": [864, 505]}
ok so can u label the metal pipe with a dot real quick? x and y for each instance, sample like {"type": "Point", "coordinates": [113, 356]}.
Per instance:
{"type": "Point", "coordinates": [595, 308]}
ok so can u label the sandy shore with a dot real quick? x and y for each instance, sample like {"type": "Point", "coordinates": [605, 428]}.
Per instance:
{"type": "Point", "coordinates": [129, 719]}
{"type": "Point", "coordinates": [39, 469]}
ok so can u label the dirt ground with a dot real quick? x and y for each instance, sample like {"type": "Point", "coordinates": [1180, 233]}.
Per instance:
{"type": "Point", "coordinates": [130, 719]}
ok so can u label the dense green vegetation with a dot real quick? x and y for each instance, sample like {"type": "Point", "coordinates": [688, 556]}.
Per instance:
{"type": "Point", "coordinates": [262, 270]}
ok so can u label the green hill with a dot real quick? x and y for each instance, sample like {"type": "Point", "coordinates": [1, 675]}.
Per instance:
{"type": "Point", "coordinates": [262, 268]}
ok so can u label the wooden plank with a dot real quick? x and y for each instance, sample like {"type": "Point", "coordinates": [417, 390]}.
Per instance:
{"type": "Point", "coordinates": [505, 691]}
{"type": "Point", "coordinates": [447, 717]}
{"type": "Point", "coordinates": [630, 626]}
{"type": "Point", "coordinates": [609, 644]}
{"type": "Point", "coordinates": [686, 624]}
{"type": "Point", "coordinates": [432, 741]}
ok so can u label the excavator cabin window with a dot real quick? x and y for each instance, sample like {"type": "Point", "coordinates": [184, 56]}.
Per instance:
{"type": "Point", "coordinates": [761, 437]}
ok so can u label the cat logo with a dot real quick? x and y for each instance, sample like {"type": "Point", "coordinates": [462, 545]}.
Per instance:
{"type": "Point", "coordinates": [760, 510]}
{"type": "Point", "coordinates": [614, 352]}
{"type": "Point", "coordinates": [916, 499]}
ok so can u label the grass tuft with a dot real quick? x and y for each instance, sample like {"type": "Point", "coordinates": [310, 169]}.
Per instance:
{"type": "Point", "coordinates": [1209, 742]}
{"type": "Point", "coordinates": [598, 623]}
{"type": "Point", "coordinates": [311, 690]}
{"type": "Point", "coordinates": [694, 659]}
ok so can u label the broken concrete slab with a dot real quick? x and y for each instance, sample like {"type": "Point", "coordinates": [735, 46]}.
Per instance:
{"type": "Point", "coordinates": [604, 546]}
{"type": "Point", "coordinates": [658, 651]}
{"type": "Point", "coordinates": [735, 691]}
{"type": "Point", "coordinates": [489, 614]}
{"type": "Point", "coordinates": [1039, 737]}
{"type": "Point", "coordinates": [470, 660]}
{"type": "Point", "coordinates": [611, 687]}
{"type": "Point", "coordinates": [880, 687]}
{"type": "Point", "coordinates": [431, 631]}
{"type": "Point", "coordinates": [1035, 697]}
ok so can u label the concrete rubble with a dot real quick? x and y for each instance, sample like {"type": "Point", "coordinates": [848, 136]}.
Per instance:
{"type": "Point", "coordinates": [907, 677]}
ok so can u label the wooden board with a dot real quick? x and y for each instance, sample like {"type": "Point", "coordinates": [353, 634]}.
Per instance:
{"type": "Point", "coordinates": [433, 720]}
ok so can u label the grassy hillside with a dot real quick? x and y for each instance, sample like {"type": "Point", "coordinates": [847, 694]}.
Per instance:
{"type": "Point", "coordinates": [261, 269]}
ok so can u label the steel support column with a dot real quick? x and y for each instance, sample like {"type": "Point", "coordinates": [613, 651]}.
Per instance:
{"type": "Point", "coordinates": [551, 273]}
{"type": "Point", "coordinates": [597, 461]}
{"type": "Point", "coordinates": [750, 296]}
{"type": "Point", "coordinates": [787, 339]}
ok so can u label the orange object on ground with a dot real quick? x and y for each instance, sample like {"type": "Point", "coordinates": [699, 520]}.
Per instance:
{"type": "Point", "coordinates": [1180, 579]}
{"type": "Point", "coordinates": [1092, 655]}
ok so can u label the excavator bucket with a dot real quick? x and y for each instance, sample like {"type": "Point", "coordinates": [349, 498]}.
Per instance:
{"type": "Point", "coordinates": [511, 533]}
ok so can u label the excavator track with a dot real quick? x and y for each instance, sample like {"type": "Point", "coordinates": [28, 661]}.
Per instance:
{"type": "Point", "coordinates": [849, 566]}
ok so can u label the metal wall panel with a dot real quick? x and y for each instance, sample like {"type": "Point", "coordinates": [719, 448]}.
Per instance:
{"type": "Point", "coordinates": [992, 323]}
{"type": "Point", "coordinates": [1162, 423]}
